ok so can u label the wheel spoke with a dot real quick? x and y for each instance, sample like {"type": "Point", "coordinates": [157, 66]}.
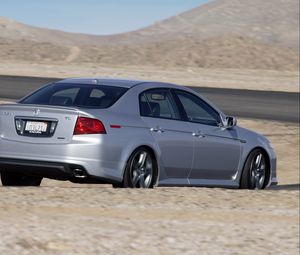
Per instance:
{"type": "Point", "coordinates": [135, 178]}
{"type": "Point", "coordinates": [261, 181]}
{"type": "Point", "coordinates": [148, 180]}
{"type": "Point", "coordinates": [142, 159]}
{"type": "Point", "coordinates": [257, 181]}
{"type": "Point", "coordinates": [258, 160]}
{"type": "Point", "coordinates": [142, 180]}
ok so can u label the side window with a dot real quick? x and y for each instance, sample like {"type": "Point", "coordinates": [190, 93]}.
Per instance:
{"type": "Point", "coordinates": [197, 110]}
{"type": "Point", "coordinates": [158, 103]}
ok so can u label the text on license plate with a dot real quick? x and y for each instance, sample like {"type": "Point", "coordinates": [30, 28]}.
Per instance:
{"type": "Point", "coordinates": [35, 127]}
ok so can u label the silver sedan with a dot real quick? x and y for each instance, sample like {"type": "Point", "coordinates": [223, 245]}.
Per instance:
{"type": "Point", "coordinates": [130, 134]}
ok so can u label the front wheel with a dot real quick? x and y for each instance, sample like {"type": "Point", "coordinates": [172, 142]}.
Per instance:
{"type": "Point", "coordinates": [140, 170]}
{"type": "Point", "coordinates": [255, 173]}
{"type": "Point", "coordinates": [13, 179]}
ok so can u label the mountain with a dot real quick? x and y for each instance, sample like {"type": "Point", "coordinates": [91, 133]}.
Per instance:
{"type": "Point", "coordinates": [271, 21]}
{"type": "Point", "coordinates": [256, 34]}
{"type": "Point", "coordinates": [13, 30]}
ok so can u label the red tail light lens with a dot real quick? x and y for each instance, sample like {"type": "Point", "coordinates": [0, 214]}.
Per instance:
{"type": "Point", "coordinates": [88, 126]}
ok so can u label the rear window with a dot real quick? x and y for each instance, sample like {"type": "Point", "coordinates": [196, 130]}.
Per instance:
{"type": "Point", "coordinates": [78, 95]}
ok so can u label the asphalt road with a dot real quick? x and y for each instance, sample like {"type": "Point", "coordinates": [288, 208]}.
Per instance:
{"type": "Point", "coordinates": [280, 106]}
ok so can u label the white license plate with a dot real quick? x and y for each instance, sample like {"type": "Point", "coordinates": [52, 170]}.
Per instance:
{"type": "Point", "coordinates": [35, 127]}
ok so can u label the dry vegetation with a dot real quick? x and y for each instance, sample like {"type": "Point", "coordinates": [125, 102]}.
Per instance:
{"type": "Point", "coordinates": [262, 35]}
{"type": "Point", "coordinates": [231, 52]}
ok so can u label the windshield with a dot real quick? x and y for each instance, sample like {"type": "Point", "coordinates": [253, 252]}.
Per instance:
{"type": "Point", "coordinates": [78, 95]}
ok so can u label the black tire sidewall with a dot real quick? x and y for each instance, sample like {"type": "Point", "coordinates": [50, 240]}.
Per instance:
{"type": "Point", "coordinates": [245, 182]}
{"type": "Point", "coordinates": [127, 182]}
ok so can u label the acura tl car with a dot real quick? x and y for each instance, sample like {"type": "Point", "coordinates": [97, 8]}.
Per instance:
{"type": "Point", "coordinates": [133, 134]}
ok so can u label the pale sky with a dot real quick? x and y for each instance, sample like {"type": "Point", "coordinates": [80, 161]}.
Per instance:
{"type": "Point", "coordinates": [94, 16]}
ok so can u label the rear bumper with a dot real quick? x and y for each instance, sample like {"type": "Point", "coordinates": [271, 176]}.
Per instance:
{"type": "Point", "coordinates": [52, 170]}
{"type": "Point", "coordinates": [61, 171]}
{"type": "Point", "coordinates": [57, 161]}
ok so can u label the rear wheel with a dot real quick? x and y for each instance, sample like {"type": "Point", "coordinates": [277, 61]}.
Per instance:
{"type": "Point", "coordinates": [13, 179]}
{"type": "Point", "coordinates": [140, 170]}
{"type": "Point", "coordinates": [255, 173]}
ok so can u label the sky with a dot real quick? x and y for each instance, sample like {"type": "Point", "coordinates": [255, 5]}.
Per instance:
{"type": "Point", "coordinates": [94, 16]}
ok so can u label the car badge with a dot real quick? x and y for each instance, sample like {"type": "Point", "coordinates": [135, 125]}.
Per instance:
{"type": "Point", "coordinates": [36, 111]}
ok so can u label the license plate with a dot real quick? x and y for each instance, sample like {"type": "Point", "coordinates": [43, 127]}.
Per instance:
{"type": "Point", "coordinates": [35, 127]}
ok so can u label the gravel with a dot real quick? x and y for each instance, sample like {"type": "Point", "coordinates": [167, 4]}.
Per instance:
{"type": "Point", "coordinates": [65, 218]}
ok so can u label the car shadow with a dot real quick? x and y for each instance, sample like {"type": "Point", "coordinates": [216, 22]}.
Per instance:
{"type": "Point", "coordinates": [295, 186]}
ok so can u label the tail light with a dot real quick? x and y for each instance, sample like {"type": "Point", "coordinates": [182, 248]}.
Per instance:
{"type": "Point", "coordinates": [88, 126]}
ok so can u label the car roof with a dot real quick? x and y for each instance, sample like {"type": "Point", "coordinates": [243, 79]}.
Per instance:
{"type": "Point", "coordinates": [103, 81]}
{"type": "Point", "coordinates": [115, 82]}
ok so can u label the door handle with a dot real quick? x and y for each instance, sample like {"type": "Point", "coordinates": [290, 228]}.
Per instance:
{"type": "Point", "coordinates": [157, 130]}
{"type": "Point", "coordinates": [198, 134]}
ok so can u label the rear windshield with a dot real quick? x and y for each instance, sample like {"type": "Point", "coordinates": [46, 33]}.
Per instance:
{"type": "Point", "coordinates": [79, 95]}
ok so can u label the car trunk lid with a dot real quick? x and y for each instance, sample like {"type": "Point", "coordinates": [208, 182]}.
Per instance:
{"type": "Point", "coordinates": [38, 123]}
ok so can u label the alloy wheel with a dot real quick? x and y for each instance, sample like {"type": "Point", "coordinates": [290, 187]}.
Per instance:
{"type": "Point", "coordinates": [141, 170]}
{"type": "Point", "coordinates": [258, 171]}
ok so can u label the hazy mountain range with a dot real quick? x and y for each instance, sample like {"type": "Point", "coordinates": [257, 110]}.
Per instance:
{"type": "Point", "coordinates": [256, 34]}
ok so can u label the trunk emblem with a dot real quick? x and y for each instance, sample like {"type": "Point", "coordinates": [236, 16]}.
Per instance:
{"type": "Point", "coordinates": [36, 111]}
{"type": "Point", "coordinates": [5, 113]}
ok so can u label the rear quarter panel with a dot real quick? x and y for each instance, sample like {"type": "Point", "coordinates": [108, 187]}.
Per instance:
{"type": "Point", "coordinates": [125, 133]}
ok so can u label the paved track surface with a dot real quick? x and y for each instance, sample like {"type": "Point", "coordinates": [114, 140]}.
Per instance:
{"type": "Point", "coordinates": [280, 106]}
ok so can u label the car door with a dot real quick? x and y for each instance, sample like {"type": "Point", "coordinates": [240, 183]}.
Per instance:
{"type": "Point", "coordinates": [173, 136]}
{"type": "Point", "coordinates": [217, 150]}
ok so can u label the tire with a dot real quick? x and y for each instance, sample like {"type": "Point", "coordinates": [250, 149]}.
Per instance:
{"type": "Point", "coordinates": [140, 171]}
{"type": "Point", "coordinates": [13, 179]}
{"type": "Point", "coordinates": [256, 171]}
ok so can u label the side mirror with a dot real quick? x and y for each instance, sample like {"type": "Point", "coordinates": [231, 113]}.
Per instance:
{"type": "Point", "coordinates": [230, 122]}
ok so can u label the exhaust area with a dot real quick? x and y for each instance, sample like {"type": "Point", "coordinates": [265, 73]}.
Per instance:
{"type": "Point", "coordinates": [79, 173]}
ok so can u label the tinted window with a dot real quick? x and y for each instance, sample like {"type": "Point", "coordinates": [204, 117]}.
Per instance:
{"type": "Point", "coordinates": [78, 95]}
{"type": "Point", "coordinates": [158, 103]}
{"type": "Point", "coordinates": [197, 110]}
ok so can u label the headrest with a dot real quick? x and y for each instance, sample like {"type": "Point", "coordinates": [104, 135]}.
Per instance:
{"type": "Point", "coordinates": [61, 100]}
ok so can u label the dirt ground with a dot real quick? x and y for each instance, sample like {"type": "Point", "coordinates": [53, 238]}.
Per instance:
{"type": "Point", "coordinates": [66, 218]}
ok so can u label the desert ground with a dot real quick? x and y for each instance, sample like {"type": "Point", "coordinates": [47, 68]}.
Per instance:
{"type": "Point", "coordinates": [66, 218]}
